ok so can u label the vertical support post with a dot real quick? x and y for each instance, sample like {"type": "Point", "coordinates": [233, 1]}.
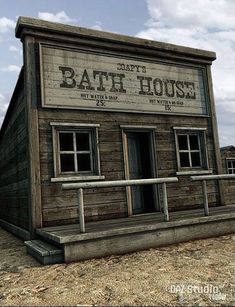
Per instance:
{"type": "Point", "coordinates": [205, 197]}
{"type": "Point", "coordinates": [81, 210]}
{"type": "Point", "coordinates": [32, 128]}
{"type": "Point", "coordinates": [215, 135]}
{"type": "Point", "coordinates": [165, 204]}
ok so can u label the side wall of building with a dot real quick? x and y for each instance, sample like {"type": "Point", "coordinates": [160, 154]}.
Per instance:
{"type": "Point", "coordinates": [14, 204]}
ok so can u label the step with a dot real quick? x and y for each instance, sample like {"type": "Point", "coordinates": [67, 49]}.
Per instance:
{"type": "Point", "coordinates": [44, 252]}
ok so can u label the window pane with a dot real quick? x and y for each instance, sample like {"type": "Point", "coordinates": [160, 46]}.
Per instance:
{"type": "Point", "coordinates": [229, 164]}
{"type": "Point", "coordinates": [194, 144]}
{"type": "Point", "coordinates": [233, 163]}
{"type": "Point", "coordinates": [84, 162]}
{"type": "Point", "coordinates": [82, 141]}
{"type": "Point", "coordinates": [230, 171]}
{"type": "Point", "coordinates": [195, 156]}
{"type": "Point", "coordinates": [66, 141]}
{"type": "Point", "coordinates": [184, 159]}
{"type": "Point", "coordinates": [67, 163]}
{"type": "Point", "coordinates": [182, 140]}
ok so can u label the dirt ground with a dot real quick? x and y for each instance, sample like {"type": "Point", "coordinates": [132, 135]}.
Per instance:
{"type": "Point", "coordinates": [199, 273]}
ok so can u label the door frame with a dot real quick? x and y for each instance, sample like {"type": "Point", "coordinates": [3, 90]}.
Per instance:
{"type": "Point", "coordinates": [152, 146]}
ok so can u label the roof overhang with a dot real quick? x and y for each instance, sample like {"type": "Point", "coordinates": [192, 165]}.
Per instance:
{"type": "Point", "coordinates": [39, 28]}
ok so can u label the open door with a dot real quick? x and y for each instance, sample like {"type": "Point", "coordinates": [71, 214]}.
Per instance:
{"type": "Point", "coordinates": [140, 165]}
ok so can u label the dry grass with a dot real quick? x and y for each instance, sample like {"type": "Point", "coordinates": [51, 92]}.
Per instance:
{"type": "Point", "coordinates": [142, 278]}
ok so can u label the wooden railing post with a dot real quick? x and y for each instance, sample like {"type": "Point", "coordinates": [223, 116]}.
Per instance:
{"type": "Point", "coordinates": [205, 197]}
{"type": "Point", "coordinates": [81, 210]}
{"type": "Point", "coordinates": [117, 183]}
{"type": "Point", "coordinates": [203, 179]}
{"type": "Point", "coordinates": [165, 204]}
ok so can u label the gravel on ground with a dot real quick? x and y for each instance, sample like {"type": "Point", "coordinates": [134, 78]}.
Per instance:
{"type": "Point", "coordinates": [199, 273]}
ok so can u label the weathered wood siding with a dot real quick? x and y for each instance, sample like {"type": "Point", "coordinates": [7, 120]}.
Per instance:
{"type": "Point", "coordinates": [60, 207]}
{"type": "Point", "coordinates": [13, 165]}
{"type": "Point", "coordinates": [58, 103]}
{"type": "Point", "coordinates": [229, 185]}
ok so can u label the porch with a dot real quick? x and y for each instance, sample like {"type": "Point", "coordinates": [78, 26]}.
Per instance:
{"type": "Point", "coordinates": [138, 232]}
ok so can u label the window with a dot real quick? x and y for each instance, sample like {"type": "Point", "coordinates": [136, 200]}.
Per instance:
{"type": "Point", "coordinates": [191, 149]}
{"type": "Point", "coordinates": [231, 166]}
{"type": "Point", "coordinates": [76, 153]}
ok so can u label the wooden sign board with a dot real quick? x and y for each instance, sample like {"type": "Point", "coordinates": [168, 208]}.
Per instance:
{"type": "Point", "coordinates": [79, 79]}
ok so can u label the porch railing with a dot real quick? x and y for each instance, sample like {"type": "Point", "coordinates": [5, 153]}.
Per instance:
{"type": "Point", "coordinates": [204, 179]}
{"type": "Point", "coordinates": [118, 183]}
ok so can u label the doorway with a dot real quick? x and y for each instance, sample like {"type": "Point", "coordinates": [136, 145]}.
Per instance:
{"type": "Point", "coordinates": [140, 164]}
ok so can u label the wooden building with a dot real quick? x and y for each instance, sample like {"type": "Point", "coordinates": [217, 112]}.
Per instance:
{"type": "Point", "coordinates": [228, 166]}
{"type": "Point", "coordinates": [96, 106]}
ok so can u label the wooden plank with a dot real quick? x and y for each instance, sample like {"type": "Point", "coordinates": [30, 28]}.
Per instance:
{"type": "Point", "coordinates": [56, 189]}
{"type": "Point", "coordinates": [108, 231]}
{"type": "Point", "coordinates": [33, 136]}
{"type": "Point", "coordinates": [18, 231]}
{"type": "Point", "coordinates": [61, 202]}
{"type": "Point", "coordinates": [215, 132]}
{"type": "Point", "coordinates": [13, 167]}
{"type": "Point", "coordinates": [114, 120]}
{"type": "Point", "coordinates": [132, 76]}
{"type": "Point", "coordinates": [69, 213]}
{"type": "Point", "coordinates": [143, 218]}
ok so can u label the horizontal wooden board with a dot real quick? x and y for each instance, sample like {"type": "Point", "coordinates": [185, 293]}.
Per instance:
{"type": "Point", "coordinates": [72, 212]}
{"type": "Point", "coordinates": [14, 183]}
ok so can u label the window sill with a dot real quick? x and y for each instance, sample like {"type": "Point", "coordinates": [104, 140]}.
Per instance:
{"type": "Point", "coordinates": [199, 172]}
{"type": "Point", "coordinates": [80, 178]}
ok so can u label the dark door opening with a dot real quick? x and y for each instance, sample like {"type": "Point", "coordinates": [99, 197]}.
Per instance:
{"type": "Point", "coordinates": [140, 166]}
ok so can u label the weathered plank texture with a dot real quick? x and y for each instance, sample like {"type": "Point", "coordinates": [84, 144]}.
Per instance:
{"type": "Point", "coordinates": [229, 185]}
{"type": "Point", "coordinates": [83, 80]}
{"type": "Point", "coordinates": [31, 100]}
{"type": "Point", "coordinates": [14, 204]}
{"type": "Point", "coordinates": [142, 231]}
{"type": "Point", "coordinates": [60, 207]}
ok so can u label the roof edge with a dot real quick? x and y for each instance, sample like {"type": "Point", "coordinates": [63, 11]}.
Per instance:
{"type": "Point", "coordinates": [226, 148]}
{"type": "Point", "coordinates": [59, 28]}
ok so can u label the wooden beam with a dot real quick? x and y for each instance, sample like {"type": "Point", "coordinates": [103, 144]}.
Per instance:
{"type": "Point", "coordinates": [81, 211]}
{"type": "Point", "coordinates": [35, 212]}
{"type": "Point", "coordinates": [215, 133]}
{"type": "Point", "coordinates": [213, 177]}
{"type": "Point", "coordinates": [117, 183]}
{"type": "Point", "coordinates": [165, 204]}
{"type": "Point", "coordinates": [205, 198]}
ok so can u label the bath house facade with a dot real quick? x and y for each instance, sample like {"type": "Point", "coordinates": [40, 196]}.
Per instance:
{"type": "Point", "coordinates": [96, 106]}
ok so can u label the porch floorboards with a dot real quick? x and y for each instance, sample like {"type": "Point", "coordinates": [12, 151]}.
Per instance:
{"type": "Point", "coordinates": [136, 223]}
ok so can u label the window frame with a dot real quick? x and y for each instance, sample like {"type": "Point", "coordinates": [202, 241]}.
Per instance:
{"type": "Point", "coordinates": [190, 151]}
{"type": "Point", "coordinates": [232, 159]}
{"type": "Point", "coordinates": [201, 134]}
{"type": "Point", "coordinates": [75, 152]}
{"type": "Point", "coordinates": [92, 130]}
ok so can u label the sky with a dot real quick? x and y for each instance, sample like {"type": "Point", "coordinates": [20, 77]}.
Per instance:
{"type": "Point", "coordinates": [204, 24]}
